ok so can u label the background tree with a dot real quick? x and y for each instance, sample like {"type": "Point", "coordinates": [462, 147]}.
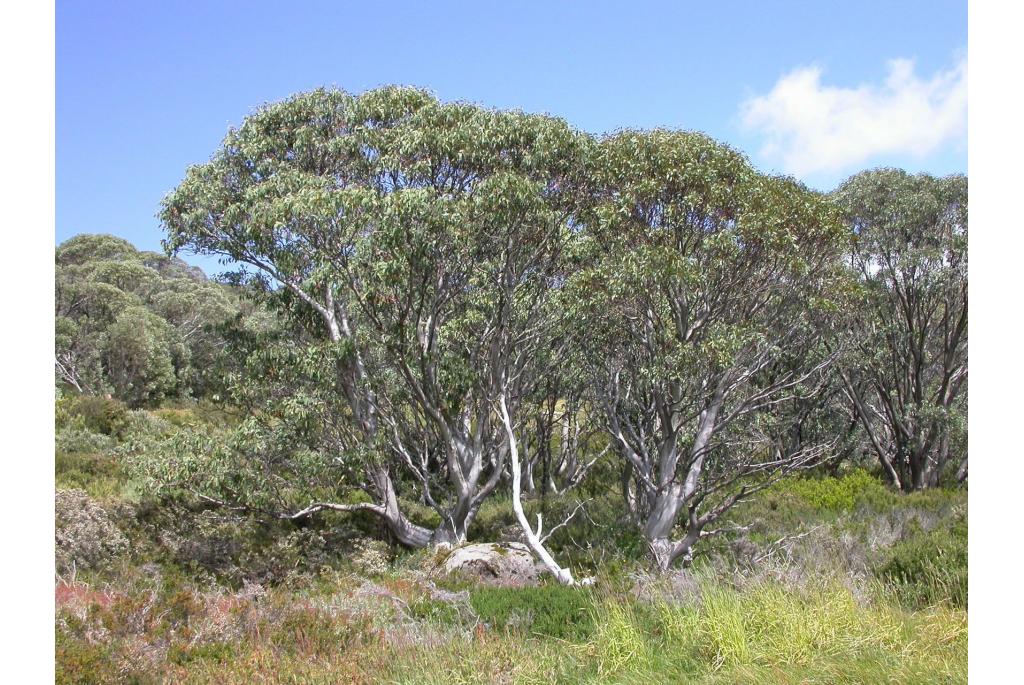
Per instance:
{"type": "Point", "coordinates": [909, 332]}
{"type": "Point", "coordinates": [137, 324]}
{"type": "Point", "coordinates": [709, 285]}
{"type": "Point", "coordinates": [138, 357]}
{"type": "Point", "coordinates": [561, 439]}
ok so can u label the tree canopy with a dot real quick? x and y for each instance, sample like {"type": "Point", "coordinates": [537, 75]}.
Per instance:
{"type": "Point", "coordinates": [425, 238]}
{"type": "Point", "coordinates": [710, 284]}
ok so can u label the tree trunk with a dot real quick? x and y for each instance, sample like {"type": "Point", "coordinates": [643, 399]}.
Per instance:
{"type": "Point", "coordinates": [672, 495]}
{"type": "Point", "coordinates": [665, 552]}
{"type": "Point", "coordinates": [528, 483]}
{"type": "Point", "coordinates": [664, 513]}
{"type": "Point", "coordinates": [629, 493]}
{"type": "Point", "coordinates": [405, 531]}
{"type": "Point", "coordinates": [661, 550]}
{"type": "Point", "coordinates": [455, 522]}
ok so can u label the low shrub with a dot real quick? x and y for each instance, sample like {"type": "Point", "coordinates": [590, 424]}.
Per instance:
{"type": "Point", "coordinates": [77, 439]}
{"type": "Point", "coordinates": [843, 493]}
{"type": "Point", "coordinates": [179, 417]}
{"type": "Point", "coordinates": [83, 663]}
{"type": "Point", "coordinates": [100, 414]}
{"type": "Point", "coordinates": [928, 567]}
{"type": "Point", "coordinates": [214, 652]}
{"type": "Point", "coordinates": [143, 426]}
{"type": "Point", "coordinates": [99, 475]}
{"type": "Point", "coordinates": [86, 535]}
{"type": "Point", "coordinates": [313, 633]}
{"type": "Point", "coordinates": [549, 610]}
{"type": "Point", "coordinates": [370, 557]}
{"type": "Point", "coordinates": [435, 611]}
{"type": "Point", "coordinates": [195, 414]}
{"type": "Point", "coordinates": [168, 631]}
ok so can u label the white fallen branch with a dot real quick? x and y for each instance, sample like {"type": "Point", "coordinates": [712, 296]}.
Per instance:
{"type": "Point", "coordinates": [533, 539]}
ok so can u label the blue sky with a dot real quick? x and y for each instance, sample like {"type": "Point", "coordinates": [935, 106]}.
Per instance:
{"type": "Point", "coordinates": [816, 89]}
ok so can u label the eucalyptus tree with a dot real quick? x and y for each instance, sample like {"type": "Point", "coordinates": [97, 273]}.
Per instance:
{"type": "Point", "coordinates": [705, 276]}
{"type": "Point", "coordinates": [418, 243]}
{"type": "Point", "coordinates": [84, 306]}
{"type": "Point", "coordinates": [908, 370]}
{"type": "Point", "coordinates": [827, 414]}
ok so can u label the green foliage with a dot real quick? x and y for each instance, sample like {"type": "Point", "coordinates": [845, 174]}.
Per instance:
{"type": "Point", "coordinates": [549, 610]}
{"type": "Point", "coordinates": [435, 612]}
{"type": "Point", "coordinates": [99, 475]}
{"type": "Point", "coordinates": [724, 629]}
{"type": "Point", "coordinates": [908, 332]}
{"type": "Point", "coordinates": [925, 568]}
{"type": "Point", "coordinates": [704, 283]}
{"type": "Point", "coordinates": [312, 633]}
{"type": "Point", "coordinates": [417, 259]}
{"type": "Point", "coordinates": [844, 493]}
{"type": "Point", "coordinates": [139, 361]}
{"type": "Point", "coordinates": [767, 632]}
{"type": "Point", "coordinates": [79, 662]}
{"type": "Point", "coordinates": [77, 440]}
{"type": "Point", "coordinates": [456, 219]}
{"type": "Point", "coordinates": [220, 653]}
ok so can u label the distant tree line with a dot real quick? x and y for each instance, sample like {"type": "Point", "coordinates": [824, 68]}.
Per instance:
{"type": "Point", "coordinates": [141, 326]}
{"type": "Point", "coordinates": [467, 298]}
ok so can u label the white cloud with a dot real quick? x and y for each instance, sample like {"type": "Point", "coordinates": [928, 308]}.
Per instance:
{"type": "Point", "coordinates": [811, 127]}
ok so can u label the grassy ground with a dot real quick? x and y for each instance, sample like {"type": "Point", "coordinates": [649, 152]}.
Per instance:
{"type": "Point", "coordinates": [393, 629]}
{"type": "Point", "coordinates": [832, 580]}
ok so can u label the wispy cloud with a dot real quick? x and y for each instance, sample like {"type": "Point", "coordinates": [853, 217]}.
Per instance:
{"type": "Point", "coordinates": [812, 127]}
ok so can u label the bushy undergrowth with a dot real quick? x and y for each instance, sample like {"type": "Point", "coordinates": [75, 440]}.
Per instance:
{"type": "Point", "coordinates": [166, 629]}
{"type": "Point", "coordinates": [80, 440]}
{"type": "Point", "coordinates": [98, 474]}
{"type": "Point", "coordinates": [823, 580]}
{"type": "Point", "coordinates": [798, 499]}
{"type": "Point", "coordinates": [836, 494]}
{"type": "Point", "coordinates": [97, 414]}
{"type": "Point", "coordinates": [771, 633]}
{"type": "Point", "coordinates": [928, 567]}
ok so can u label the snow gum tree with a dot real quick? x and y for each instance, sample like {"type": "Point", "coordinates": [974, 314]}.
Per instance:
{"type": "Point", "coordinates": [907, 372]}
{"type": "Point", "coordinates": [415, 246]}
{"type": "Point", "coordinates": [707, 284]}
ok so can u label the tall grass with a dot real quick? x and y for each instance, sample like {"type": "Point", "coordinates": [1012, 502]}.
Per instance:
{"type": "Point", "coordinates": [771, 633]}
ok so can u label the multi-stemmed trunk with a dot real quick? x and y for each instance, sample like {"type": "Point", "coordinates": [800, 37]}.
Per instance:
{"type": "Point", "coordinates": [465, 455]}
{"type": "Point", "coordinates": [671, 497]}
{"type": "Point", "coordinates": [668, 479]}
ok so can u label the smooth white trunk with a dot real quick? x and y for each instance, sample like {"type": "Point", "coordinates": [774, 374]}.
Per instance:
{"type": "Point", "coordinates": [533, 539]}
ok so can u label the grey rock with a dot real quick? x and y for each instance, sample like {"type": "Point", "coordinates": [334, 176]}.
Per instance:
{"type": "Point", "coordinates": [509, 563]}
